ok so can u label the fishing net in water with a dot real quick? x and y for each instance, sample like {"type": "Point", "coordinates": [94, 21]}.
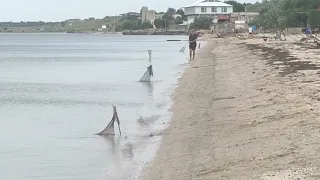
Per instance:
{"type": "Point", "coordinates": [147, 75]}
{"type": "Point", "coordinates": [109, 130]}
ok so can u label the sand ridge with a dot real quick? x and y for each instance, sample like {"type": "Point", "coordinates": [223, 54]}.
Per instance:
{"type": "Point", "coordinates": [244, 109]}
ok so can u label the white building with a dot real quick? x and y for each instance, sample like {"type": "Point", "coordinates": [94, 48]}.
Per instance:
{"type": "Point", "coordinates": [147, 15]}
{"type": "Point", "coordinates": [215, 9]}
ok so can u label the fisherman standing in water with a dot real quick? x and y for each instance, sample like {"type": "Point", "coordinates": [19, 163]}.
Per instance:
{"type": "Point", "coordinates": [193, 44]}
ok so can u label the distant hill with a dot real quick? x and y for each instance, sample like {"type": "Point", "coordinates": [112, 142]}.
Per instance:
{"type": "Point", "coordinates": [91, 24]}
{"type": "Point", "coordinates": [70, 25]}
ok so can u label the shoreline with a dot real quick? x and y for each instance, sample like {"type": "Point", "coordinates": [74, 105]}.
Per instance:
{"type": "Point", "coordinates": [244, 109]}
{"type": "Point", "coordinates": [206, 45]}
{"type": "Point", "coordinates": [124, 33]}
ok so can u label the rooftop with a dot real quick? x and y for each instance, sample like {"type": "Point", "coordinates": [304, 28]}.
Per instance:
{"type": "Point", "coordinates": [209, 3]}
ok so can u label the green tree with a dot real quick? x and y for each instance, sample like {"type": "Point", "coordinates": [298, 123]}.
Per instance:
{"type": "Point", "coordinates": [138, 22]}
{"type": "Point", "coordinates": [128, 17]}
{"type": "Point", "coordinates": [278, 14]}
{"type": "Point", "coordinates": [167, 17]}
{"type": "Point", "coordinates": [171, 11]}
{"type": "Point", "coordinates": [129, 25]}
{"type": "Point", "coordinates": [237, 7]}
{"type": "Point", "coordinates": [159, 23]}
{"type": "Point", "coordinates": [178, 21]}
{"type": "Point", "coordinates": [146, 25]}
{"type": "Point", "coordinates": [201, 23]}
{"type": "Point", "coordinates": [314, 18]}
{"type": "Point", "coordinates": [169, 14]}
{"type": "Point", "coordinates": [181, 13]}
{"type": "Point", "coordinates": [63, 24]}
{"type": "Point", "coordinates": [301, 12]}
{"type": "Point", "coordinates": [272, 15]}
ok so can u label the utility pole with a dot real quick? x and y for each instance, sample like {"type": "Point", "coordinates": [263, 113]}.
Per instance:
{"type": "Point", "coordinates": [245, 13]}
{"type": "Point", "coordinates": [165, 24]}
{"type": "Point", "coordinates": [114, 23]}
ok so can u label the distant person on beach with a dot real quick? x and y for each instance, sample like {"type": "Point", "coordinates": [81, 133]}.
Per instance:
{"type": "Point", "coordinates": [308, 32]}
{"type": "Point", "coordinates": [193, 44]}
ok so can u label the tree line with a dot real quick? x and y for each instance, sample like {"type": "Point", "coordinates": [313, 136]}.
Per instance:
{"type": "Point", "coordinates": [273, 14]}
{"type": "Point", "coordinates": [135, 23]}
{"type": "Point", "coordinates": [279, 14]}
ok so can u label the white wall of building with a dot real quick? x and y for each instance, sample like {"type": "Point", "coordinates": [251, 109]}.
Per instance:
{"type": "Point", "coordinates": [189, 10]}
{"type": "Point", "coordinates": [191, 19]}
{"type": "Point", "coordinates": [208, 10]}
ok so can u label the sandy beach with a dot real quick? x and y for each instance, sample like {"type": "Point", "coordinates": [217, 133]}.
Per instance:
{"type": "Point", "coordinates": [244, 109]}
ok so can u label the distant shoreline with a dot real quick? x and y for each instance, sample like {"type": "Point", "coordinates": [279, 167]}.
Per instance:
{"type": "Point", "coordinates": [164, 33]}
{"type": "Point", "coordinates": [64, 32]}
{"type": "Point", "coordinates": [156, 32]}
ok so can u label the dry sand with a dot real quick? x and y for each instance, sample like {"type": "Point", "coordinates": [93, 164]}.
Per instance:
{"type": "Point", "coordinates": [244, 109]}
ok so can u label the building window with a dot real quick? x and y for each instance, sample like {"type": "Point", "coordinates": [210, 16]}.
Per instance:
{"type": "Point", "coordinates": [224, 9]}
{"type": "Point", "coordinates": [203, 9]}
{"type": "Point", "coordinates": [213, 9]}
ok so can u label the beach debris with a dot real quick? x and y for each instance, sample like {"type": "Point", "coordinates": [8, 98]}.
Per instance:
{"type": "Point", "coordinates": [141, 120]}
{"type": "Point", "coordinates": [150, 119]}
{"type": "Point", "coordinates": [109, 130]}
{"type": "Point", "coordinates": [219, 35]}
{"type": "Point", "coordinates": [157, 133]}
{"type": "Point", "coordinates": [146, 77]}
{"type": "Point", "coordinates": [127, 149]}
{"type": "Point", "coordinates": [304, 39]}
{"type": "Point", "coordinates": [182, 49]}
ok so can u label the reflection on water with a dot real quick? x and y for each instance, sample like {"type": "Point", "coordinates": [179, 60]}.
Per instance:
{"type": "Point", "coordinates": [56, 92]}
{"type": "Point", "coordinates": [111, 142]}
{"type": "Point", "coordinates": [127, 151]}
{"type": "Point", "coordinates": [149, 87]}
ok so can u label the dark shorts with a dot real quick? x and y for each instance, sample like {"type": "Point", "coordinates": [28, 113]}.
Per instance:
{"type": "Point", "coordinates": [193, 46]}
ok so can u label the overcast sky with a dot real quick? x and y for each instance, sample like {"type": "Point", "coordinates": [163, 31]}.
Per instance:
{"type": "Point", "coordinates": [59, 10]}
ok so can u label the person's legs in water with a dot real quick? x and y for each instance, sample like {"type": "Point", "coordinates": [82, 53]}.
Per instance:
{"type": "Point", "coordinates": [192, 48]}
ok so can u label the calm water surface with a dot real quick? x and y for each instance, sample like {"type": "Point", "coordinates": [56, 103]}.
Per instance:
{"type": "Point", "coordinates": [56, 92]}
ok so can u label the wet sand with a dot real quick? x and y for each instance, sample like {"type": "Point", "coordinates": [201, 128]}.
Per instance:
{"type": "Point", "coordinates": [244, 109]}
